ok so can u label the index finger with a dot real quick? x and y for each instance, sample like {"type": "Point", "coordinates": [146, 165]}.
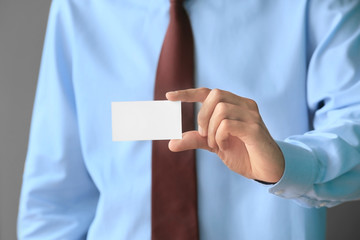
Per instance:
{"type": "Point", "coordinates": [189, 95]}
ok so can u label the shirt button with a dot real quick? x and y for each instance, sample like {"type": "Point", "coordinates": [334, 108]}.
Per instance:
{"type": "Point", "coordinates": [279, 192]}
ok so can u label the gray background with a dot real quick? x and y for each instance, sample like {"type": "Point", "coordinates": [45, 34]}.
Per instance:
{"type": "Point", "coordinates": [22, 29]}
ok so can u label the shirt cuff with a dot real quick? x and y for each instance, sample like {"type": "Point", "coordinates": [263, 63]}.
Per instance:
{"type": "Point", "coordinates": [300, 171]}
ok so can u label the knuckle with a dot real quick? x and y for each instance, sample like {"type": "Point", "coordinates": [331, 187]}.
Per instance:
{"type": "Point", "coordinates": [225, 124]}
{"type": "Point", "coordinates": [252, 104]}
{"type": "Point", "coordinates": [255, 116]}
{"type": "Point", "coordinates": [216, 94]}
{"type": "Point", "coordinates": [182, 93]}
{"type": "Point", "coordinates": [221, 108]}
{"type": "Point", "coordinates": [220, 135]}
{"type": "Point", "coordinates": [186, 93]}
{"type": "Point", "coordinates": [204, 90]}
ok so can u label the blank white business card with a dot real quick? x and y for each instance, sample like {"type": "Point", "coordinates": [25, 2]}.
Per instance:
{"type": "Point", "coordinates": [146, 120]}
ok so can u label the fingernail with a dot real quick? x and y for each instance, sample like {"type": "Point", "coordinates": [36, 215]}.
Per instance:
{"type": "Point", "coordinates": [169, 144]}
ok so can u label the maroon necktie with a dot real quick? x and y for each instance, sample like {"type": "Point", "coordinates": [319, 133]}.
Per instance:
{"type": "Point", "coordinates": [174, 196]}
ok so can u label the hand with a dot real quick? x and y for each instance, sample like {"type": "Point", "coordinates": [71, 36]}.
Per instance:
{"type": "Point", "coordinates": [231, 127]}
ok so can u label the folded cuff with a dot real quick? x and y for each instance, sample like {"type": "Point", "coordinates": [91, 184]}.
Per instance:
{"type": "Point", "coordinates": [300, 171]}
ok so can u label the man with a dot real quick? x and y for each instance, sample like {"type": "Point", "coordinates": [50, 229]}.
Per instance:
{"type": "Point", "coordinates": [287, 114]}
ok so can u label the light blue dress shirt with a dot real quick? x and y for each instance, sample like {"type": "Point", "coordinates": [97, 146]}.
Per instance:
{"type": "Point", "coordinates": [299, 60]}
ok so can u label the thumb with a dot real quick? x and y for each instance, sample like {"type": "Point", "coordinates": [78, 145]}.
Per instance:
{"type": "Point", "coordinates": [190, 140]}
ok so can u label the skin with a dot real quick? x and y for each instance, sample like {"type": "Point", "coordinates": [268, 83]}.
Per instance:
{"type": "Point", "coordinates": [231, 126]}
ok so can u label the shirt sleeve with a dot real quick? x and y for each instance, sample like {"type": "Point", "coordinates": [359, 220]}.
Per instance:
{"type": "Point", "coordinates": [58, 197]}
{"type": "Point", "coordinates": [322, 167]}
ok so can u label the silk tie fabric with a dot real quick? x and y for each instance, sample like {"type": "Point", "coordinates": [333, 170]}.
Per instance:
{"type": "Point", "coordinates": [174, 195]}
